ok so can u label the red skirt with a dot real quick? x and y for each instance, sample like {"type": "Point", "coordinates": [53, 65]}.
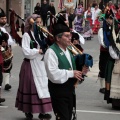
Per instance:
{"type": "Point", "coordinates": [96, 27]}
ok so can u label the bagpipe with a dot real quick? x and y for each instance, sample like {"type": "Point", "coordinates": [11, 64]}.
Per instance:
{"type": "Point", "coordinates": [53, 19]}
{"type": "Point", "coordinates": [44, 33]}
{"type": "Point", "coordinates": [15, 27]}
{"type": "Point", "coordinates": [81, 60]}
{"type": "Point", "coordinates": [17, 15]}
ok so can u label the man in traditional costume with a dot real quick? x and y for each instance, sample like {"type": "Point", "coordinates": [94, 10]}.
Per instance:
{"type": "Point", "coordinates": [103, 59]}
{"type": "Point", "coordinates": [104, 51]}
{"type": "Point", "coordinates": [112, 76]}
{"type": "Point", "coordinates": [1, 67]}
{"type": "Point", "coordinates": [62, 73]}
{"type": "Point", "coordinates": [4, 27]}
{"type": "Point", "coordinates": [33, 96]}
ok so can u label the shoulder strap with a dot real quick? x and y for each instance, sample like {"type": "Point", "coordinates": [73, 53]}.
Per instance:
{"type": "Point", "coordinates": [31, 35]}
{"type": "Point", "coordinates": [32, 40]}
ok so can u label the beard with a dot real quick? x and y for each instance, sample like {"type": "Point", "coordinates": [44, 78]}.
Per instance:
{"type": "Point", "coordinates": [2, 24]}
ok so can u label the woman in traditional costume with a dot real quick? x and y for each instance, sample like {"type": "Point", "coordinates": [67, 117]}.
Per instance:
{"type": "Point", "coordinates": [79, 19]}
{"type": "Point", "coordinates": [88, 24]}
{"type": "Point", "coordinates": [95, 17]}
{"type": "Point", "coordinates": [33, 96]}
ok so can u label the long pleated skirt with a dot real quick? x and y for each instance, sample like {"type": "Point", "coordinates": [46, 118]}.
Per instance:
{"type": "Point", "coordinates": [108, 78]}
{"type": "Point", "coordinates": [27, 99]}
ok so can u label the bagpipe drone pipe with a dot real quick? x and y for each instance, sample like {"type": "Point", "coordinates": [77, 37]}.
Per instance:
{"type": "Point", "coordinates": [51, 21]}
{"type": "Point", "coordinates": [14, 28]}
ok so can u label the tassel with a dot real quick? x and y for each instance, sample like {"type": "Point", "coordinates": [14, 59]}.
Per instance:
{"type": "Point", "coordinates": [13, 31]}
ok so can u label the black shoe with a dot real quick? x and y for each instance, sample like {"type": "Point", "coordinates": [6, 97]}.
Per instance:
{"type": "Point", "coordinates": [45, 116]}
{"type": "Point", "coordinates": [7, 87]}
{"type": "Point", "coordinates": [102, 90]}
{"type": "Point", "coordinates": [29, 115]}
{"type": "Point", "coordinates": [2, 100]}
{"type": "Point", "coordinates": [41, 116]}
{"type": "Point", "coordinates": [89, 38]}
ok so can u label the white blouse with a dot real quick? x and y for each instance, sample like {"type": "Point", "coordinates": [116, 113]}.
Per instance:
{"type": "Point", "coordinates": [37, 66]}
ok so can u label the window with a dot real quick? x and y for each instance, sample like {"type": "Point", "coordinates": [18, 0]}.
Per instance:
{"type": "Point", "coordinates": [27, 8]}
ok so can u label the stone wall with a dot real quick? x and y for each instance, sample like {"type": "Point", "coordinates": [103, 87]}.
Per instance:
{"type": "Point", "coordinates": [3, 4]}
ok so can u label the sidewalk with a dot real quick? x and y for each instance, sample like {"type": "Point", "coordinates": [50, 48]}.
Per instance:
{"type": "Point", "coordinates": [94, 70]}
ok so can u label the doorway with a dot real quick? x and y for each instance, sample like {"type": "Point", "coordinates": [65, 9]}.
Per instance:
{"type": "Point", "coordinates": [43, 1]}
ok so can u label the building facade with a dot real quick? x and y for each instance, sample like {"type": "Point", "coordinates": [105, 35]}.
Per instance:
{"type": "Point", "coordinates": [25, 8]}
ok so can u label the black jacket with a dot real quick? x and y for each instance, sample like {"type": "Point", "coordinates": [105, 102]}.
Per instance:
{"type": "Point", "coordinates": [52, 10]}
{"type": "Point", "coordinates": [44, 9]}
{"type": "Point", "coordinates": [37, 10]}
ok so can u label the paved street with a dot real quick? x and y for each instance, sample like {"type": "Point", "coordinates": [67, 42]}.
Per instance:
{"type": "Point", "coordinates": [90, 103]}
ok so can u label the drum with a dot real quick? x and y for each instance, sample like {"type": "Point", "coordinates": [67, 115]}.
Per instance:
{"type": "Point", "coordinates": [7, 59]}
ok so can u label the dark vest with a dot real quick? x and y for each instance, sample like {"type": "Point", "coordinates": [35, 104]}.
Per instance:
{"type": "Point", "coordinates": [33, 43]}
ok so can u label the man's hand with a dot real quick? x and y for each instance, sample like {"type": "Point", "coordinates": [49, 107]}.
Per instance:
{"type": "Point", "coordinates": [85, 70]}
{"type": "Point", "coordinates": [78, 74]}
{"type": "Point", "coordinates": [40, 51]}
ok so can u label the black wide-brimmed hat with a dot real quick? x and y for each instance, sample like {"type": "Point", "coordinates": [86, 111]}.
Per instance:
{"type": "Point", "coordinates": [2, 13]}
{"type": "Point", "coordinates": [75, 36]}
{"type": "Point", "coordinates": [109, 14]}
{"type": "Point", "coordinates": [60, 26]}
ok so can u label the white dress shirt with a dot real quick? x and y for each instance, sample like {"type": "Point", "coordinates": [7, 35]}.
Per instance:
{"type": "Point", "coordinates": [55, 74]}
{"type": "Point", "coordinates": [10, 40]}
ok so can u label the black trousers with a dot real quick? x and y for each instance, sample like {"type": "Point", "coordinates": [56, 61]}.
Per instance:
{"type": "Point", "coordinates": [1, 76]}
{"type": "Point", "coordinates": [103, 59]}
{"type": "Point", "coordinates": [44, 18]}
{"type": "Point", "coordinates": [62, 105]}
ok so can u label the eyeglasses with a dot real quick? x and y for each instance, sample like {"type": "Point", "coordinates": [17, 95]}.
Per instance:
{"type": "Point", "coordinates": [67, 36]}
